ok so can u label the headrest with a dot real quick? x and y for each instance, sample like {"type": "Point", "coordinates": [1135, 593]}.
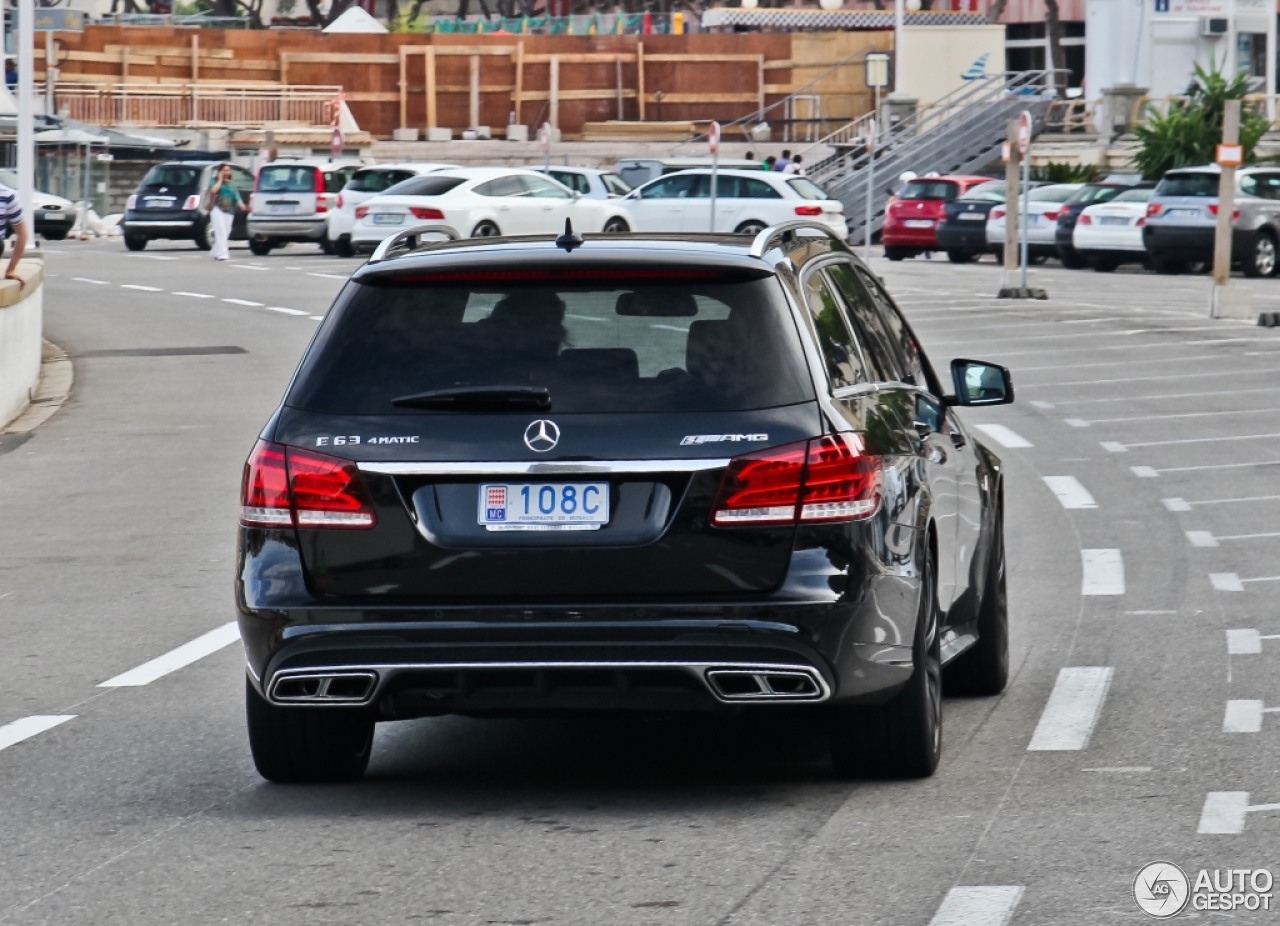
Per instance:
{"type": "Point", "coordinates": [657, 302]}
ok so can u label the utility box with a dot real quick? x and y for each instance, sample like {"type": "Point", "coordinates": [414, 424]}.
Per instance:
{"type": "Point", "coordinates": [517, 133]}
{"type": "Point", "coordinates": [405, 134]}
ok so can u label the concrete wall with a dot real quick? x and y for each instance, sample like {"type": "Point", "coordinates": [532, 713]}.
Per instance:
{"type": "Point", "coordinates": [935, 57]}
{"type": "Point", "coordinates": [21, 322]}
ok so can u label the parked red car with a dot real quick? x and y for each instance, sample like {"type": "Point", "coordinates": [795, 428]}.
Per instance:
{"type": "Point", "coordinates": [911, 221]}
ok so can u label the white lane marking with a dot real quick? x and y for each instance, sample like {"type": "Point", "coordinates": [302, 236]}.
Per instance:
{"type": "Point", "coordinates": [1007, 437]}
{"type": "Point", "coordinates": [1072, 710]}
{"type": "Point", "coordinates": [1226, 581]}
{"type": "Point", "coordinates": [329, 276]}
{"type": "Point", "coordinates": [1223, 813]}
{"type": "Point", "coordinates": [1103, 572]}
{"type": "Point", "coordinates": [283, 310]}
{"type": "Point", "coordinates": [986, 905]}
{"type": "Point", "coordinates": [181, 292]}
{"type": "Point", "coordinates": [1175, 504]}
{"type": "Point", "coordinates": [1173, 395]}
{"type": "Point", "coordinates": [1241, 411]}
{"type": "Point", "coordinates": [1223, 501]}
{"type": "Point", "coordinates": [1070, 492]}
{"type": "Point", "coordinates": [145, 289]}
{"type": "Point", "coordinates": [1262, 579]}
{"type": "Point", "coordinates": [1145, 472]}
{"type": "Point", "coordinates": [1244, 641]}
{"type": "Point", "coordinates": [1194, 469]}
{"type": "Point", "coordinates": [1201, 538]}
{"type": "Point", "coordinates": [1266, 536]}
{"type": "Point", "coordinates": [248, 267]}
{"type": "Point", "coordinates": [1040, 404]}
{"type": "Point", "coordinates": [149, 257]}
{"type": "Point", "coordinates": [317, 318]}
{"type": "Point", "coordinates": [1076, 422]}
{"type": "Point", "coordinates": [1151, 612]}
{"type": "Point", "coordinates": [1146, 379]}
{"type": "Point", "coordinates": [1114, 446]}
{"type": "Point", "coordinates": [27, 727]}
{"type": "Point", "coordinates": [254, 305]}
{"type": "Point", "coordinates": [1196, 440]}
{"type": "Point", "coordinates": [1129, 363]}
{"type": "Point", "coordinates": [176, 659]}
{"type": "Point", "coordinates": [1243, 717]}
{"type": "Point", "coordinates": [91, 280]}
{"type": "Point", "coordinates": [1119, 768]}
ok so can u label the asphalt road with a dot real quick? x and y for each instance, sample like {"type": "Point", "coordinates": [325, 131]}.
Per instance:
{"type": "Point", "coordinates": [1142, 519]}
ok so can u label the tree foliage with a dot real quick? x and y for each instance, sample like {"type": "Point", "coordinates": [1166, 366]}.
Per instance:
{"type": "Point", "coordinates": [1188, 133]}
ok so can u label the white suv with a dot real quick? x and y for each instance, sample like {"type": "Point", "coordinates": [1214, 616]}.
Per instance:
{"type": "Point", "coordinates": [292, 199]}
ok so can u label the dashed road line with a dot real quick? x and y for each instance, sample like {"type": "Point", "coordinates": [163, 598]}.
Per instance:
{"type": "Point", "coordinates": [91, 280]}
{"type": "Point", "coordinates": [1226, 582]}
{"type": "Point", "coordinates": [176, 659]}
{"type": "Point", "coordinates": [13, 733]}
{"type": "Point", "coordinates": [281, 309]}
{"type": "Point", "coordinates": [329, 276]}
{"type": "Point", "coordinates": [250, 304]}
{"type": "Point", "coordinates": [984, 905]}
{"type": "Point", "coordinates": [1072, 710]}
{"type": "Point", "coordinates": [181, 292]}
{"type": "Point", "coordinates": [1084, 423]}
{"type": "Point", "coordinates": [1153, 398]}
{"type": "Point", "coordinates": [1244, 717]}
{"type": "Point", "coordinates": [1102, 572]}
{"type": "Point", "coordinates": [1224, 812]}
{"type": "Point", "coordinates": [1070, 492]}
{"type": "Point", "coordinates": [1114, 445]}
{"type": "Point", "coordinates": [1201, 538]}
{"type": "Point", "coordinates": [1149, 471]}
{"type": "Point", "coordinates": [1005, 436]}
{"type": "Point", "coordinates": [1180, 504]}
{"type": "Point", "coordinates": [145, 289]}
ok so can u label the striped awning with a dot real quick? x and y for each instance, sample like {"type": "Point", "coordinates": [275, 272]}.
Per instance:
{"type": "Point", "coordinates": [793, 18]}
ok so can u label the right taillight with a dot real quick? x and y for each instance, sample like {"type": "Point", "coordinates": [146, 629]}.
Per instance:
{"type": "Point", "coordinates": [825, 479]}
{"type": "Point", "coordinates": [808, 210]}
{"type": "Point", "coordinates": [1153, 209]}
{"type": "Point", "coordinates": [288, 487]}
{"type": "Point", "coordinates": [997, 213]}
{"type": "Point", "coordinates": [361, 211]}
{"type": "Point", "coordinates": [1086, 220]}
{"type": "Point", "coordinates": [132, 201]}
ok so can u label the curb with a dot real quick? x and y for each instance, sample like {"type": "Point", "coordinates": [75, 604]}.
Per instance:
{"type": "Point", "coordinates": [52, 391]}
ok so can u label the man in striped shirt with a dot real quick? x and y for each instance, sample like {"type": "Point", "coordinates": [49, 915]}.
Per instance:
{"type": "Point", "coordinates": [12, 222]}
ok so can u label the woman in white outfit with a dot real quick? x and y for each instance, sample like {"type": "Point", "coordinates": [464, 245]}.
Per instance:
{"type": "Point", "coordinates": [222, 200]}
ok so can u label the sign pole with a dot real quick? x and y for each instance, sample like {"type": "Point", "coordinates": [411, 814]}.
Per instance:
{"type": "Point", "coordinates": [1024, 151]}
{"type": "Point", "coordinates": [26, 116]}
{"type": "Point", "coordinates": [713, 141]}
{"type": "Point", "coordinates": [1012, 176]}
{"type": "Point", "coordinates": [546, 145]}
{"type": "Point", "coordinates": [871, 188]}
{"type": "Point", "coordinates": [1230, 155]}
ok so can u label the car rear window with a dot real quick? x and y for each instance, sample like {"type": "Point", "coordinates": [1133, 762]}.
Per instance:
{"type": "Point", "coordinates": [169, 175]}
{"type": "Point", "coordinates": [985, 193]}
{"type": "Point", "coordinates": [1051, 194]}
{"type": "Point", "coordinates": [807, 188]}
{"type": "Point", "coordinates": [944, 190]}
{"type": "Point", "coordinates": [1092, 193]}
{"type": "Point", "coordinates": [619, 347]}
{"type": "Point", "coordinates": [1205, 184]}
{"type": "Point", "coordinates": [375, 181]}
{"type": "Point", "coordinates": [1134, 196]}
{"type": "Point", "coordinates": [287, 179]}
{"type": "Point", "coordinates": [430, 185]}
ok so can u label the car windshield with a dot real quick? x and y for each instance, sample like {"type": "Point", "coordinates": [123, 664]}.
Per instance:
{"type": "Point", "coordinates": [1134, 196]}
{"type": "Point", "coordinates": [992, 192]}
{"type": "Point", "coordinates": [1205, 184]}
{"type": "Point", "coordinates": [375, 181]}
{"type": "Point", "coordinates": [615, 184]}
{"type": "Point", "coordinates": [1092, 193]}
{"type": "Point", "coordinates": [172, 175]}
{"type": "Point", "coordinates": [699, 344]}
{"type": "Point", "coordinates": [807, 188]}
{"type": "Point", "coordinates": [430, 185]}
{"type": "Point", "coordinates": [944, 190]}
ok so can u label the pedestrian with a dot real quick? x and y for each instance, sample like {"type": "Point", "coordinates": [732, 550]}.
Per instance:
{"type": "Point", "coordinates": [782, 162]}
{"type": "Point", "coordinates": [767, 163]}
{"type": "Point", "coordinates": [13, 223]}
{"type": "Point", "coordinates": [794, 167]}
{"type": "Point", "coordinates": [222, 200]}
{"type": "Point", "coordinates": [10, 74]}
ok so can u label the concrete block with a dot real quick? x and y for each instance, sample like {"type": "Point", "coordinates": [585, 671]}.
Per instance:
{"type": "Point", "coordinates": [483, 132]}
{"type": "Point", "coordinates": [1231, 302]}
{"type": "Point", "coordinates": [517, 133]}
{"type": "Point", "coordinates": [439, 134]}
{"type": "Point", "coordinates": [469, 135]}
{"type": "Point", "coordinates": [405, 134]}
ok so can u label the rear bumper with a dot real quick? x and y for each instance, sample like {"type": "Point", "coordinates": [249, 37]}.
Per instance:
{"type": "Point", "coordinates": [957, 236]}
{"type": "Point", "coordinates": [305, 229]}
{"type": "Point", "coordinates": [897, 235]}
{"type": "Point", "coordinates": [1190, 242]}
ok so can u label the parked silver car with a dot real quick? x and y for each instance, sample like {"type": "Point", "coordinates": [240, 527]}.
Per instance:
{"type": "Point", "coordinates": [292, 199]}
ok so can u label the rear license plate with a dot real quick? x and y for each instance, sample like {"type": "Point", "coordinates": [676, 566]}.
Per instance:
{"type": "Point", "coordinates": [281, 208]}
{"type": "Point", "coordinates": [388, 218]}
{"type": "Point", "coordinates": [972, 217]}
{"type": "Point", "coordinates": [1182, 214]}
{"type": "Point", "coordinates": [918, 223]}
{"type": "Point", "coordinates": [1113, 220]}
{"type": "Point", "coordinates": [159, 202]}
{"type": "Point", "coordinates": [554, 506]}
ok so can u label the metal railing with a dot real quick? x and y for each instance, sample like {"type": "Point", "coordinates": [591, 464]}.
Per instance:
{"type": "Point", "coordinates": [206, 20]}
{"type": "Point", "coordinates": [184, 104]}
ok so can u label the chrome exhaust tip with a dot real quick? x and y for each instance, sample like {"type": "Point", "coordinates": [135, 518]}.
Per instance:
{"type": "Point", "coordinates": [324, 688]}
{"type": "Point", "coordinates": [760, 685]}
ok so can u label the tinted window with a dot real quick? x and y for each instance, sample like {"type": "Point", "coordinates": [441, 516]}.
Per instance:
{"type": "Point", "coordinates": [577, 182]}
{"type": "Point", "coordinates": [1092, 193]}
{"type": "Point", "coordinates": [1205, 184]}
{"type": "Point", "coordinates": [749, 188]}
{"type": "Point", "coordinates": [1051, 194]}
{"type": "Point", "coordinates": [335, 180]}
{"type": "Point", "coordinates": [375, 181]}
{"type": "Point", "coordinates": [1134, 196]}
{"type": "Point", "coordinates": [242, 180]}
{"type": "Point", "coordinates": [542, 188]}
{"type": "Point", "coordinates": [873, 333]}
{"type": "Point", "coordinates": [915, 366]}
{"type": "Point", "coordinates": [844, 362]}
{"type": "Point", "coordinates": [929, 189]}
{"type": "Point", "coordinates": [510, 185]}
{"type": "Point", "coordinates": [282, 179]}
{"type": "Point", "coordinates": [697, 346]}
{"type": "Point", "coordinates": [807, 188]}
{"type": "Point", "coordinates": [677, 186]}
{"type": "Point", "coordinates": [172, 175]}
{"type": "Point", "coordinates": [615, 184]}
{"type": "Point", "coordinates": [1265, 185]}
{"type": "Point", "coordinates": [430, 185]}
{"type": "Point", "coordinates": [992, 192]}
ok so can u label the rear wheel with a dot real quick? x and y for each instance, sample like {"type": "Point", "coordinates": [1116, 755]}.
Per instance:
{"type": "Point", "coordinates": [300, 744]}
{"type": "Point", "coordinates": [896, 253]}
{"type": "Point", "coordinates": [60, 235]}
{"type": "Point", "coordinates": [326, 245]}
{"type": "Point", "coordinates": [751, 227]}
{"type": "Point", "coordinates": [1104, 264]}
{"type": "Point", "coordinates": [485, 230]}
{"type": "Point", "coordinates": [903, 738]}
{"type": "Point", "coordinates": [204, 235]}
{"type": "Point", "coordinates": [1261, 261]}
{"type": "Point", "coordinates": [957, 256]}
{"type": "Point", "coordinates": [135, 242]}
{"type": "Point", "coordinates": [1071, 258]}
{"type": "Point", "coordinates": [984, 668]}
{"type": "Point", "coordinates": [1164, 266]}
{"type": "Point", "coordinates": [260, 247]}
{"type": "Point", "coordinates": [616, 226]}
{"type": "Point", "coordinates": [342, 247]}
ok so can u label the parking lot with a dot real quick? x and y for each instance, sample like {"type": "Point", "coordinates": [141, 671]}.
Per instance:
{"type": "Point", "coordinates": [1141, 519]}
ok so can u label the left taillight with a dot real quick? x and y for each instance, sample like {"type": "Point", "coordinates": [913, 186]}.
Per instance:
{"type": "Point", "coordinates": [421, 212]}
{"type": "Point", "coordinates": [287, 487]}
{"type": "Point", "coordinates": [808, 210]}
{"type": "Point", "coordinates": [826, 479]}
{"type": "Point", "coordinates": [192, 203]}
{"type": "Point", "coordinates": [132, 201]}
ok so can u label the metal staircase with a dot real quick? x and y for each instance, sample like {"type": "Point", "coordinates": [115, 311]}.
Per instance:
{"type": "Point", "coordinates": [960, 133]}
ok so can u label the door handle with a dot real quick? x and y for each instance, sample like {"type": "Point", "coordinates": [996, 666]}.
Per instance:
{"type": "Point", "coordinates": [922, 429]}
{"type": "Point", "coordinates": [958, 439]}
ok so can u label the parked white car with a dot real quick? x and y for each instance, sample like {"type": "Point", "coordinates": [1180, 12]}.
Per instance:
{"type": "Point", "coordinates": [1043, 206]}
{"type": "Point", "coordinates": [592, 183]}
{"type": "Point", "coordinates": [365, 184]}
{"type": "Point", "coordinates": [747, 201]}
{"type": "Point", "coordinates": [482, 202]}
{"type": "Point", "coordinates": [1110, 234]}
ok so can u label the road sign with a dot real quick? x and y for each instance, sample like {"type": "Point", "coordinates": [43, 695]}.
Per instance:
{"type": "Point", "coordinates": [1024, 132]}
{"type": "Point", "coordinates": [336, 142]}
{"type": "Point", "coordinates": [877, 67]}
{"type": "Point", "coordinates": [713, 138]}
{"type": "Point", "coordinates": [56, 20]}
{"type": "Point", "coordinates": [871, 135]}
{"type": "Point", "coordinates": [1004, 152]}
{"type": "Point", "coordinates": [1230, 155]}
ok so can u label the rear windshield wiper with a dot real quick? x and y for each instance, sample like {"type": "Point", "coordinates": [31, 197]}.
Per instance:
{"type": "Point", "coordinates": [480, 398]}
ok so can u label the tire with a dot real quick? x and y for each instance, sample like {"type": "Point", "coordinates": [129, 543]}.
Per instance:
{"type": "Point", "coordinates": [326, 245]}
{"type": "Point", "coordinates": [259, 247]}
{"type": "Point", "coordinates": [204, 235]}
{"type": "Point", "coordinates": [135, 242]}
{"type": "Point", "coordinates": [485, 230]}
{"type": "Point", "coordinates": [751, 227]}
{"type": "Point", "coordinates": [1035, 260]}
{"type": "Point", "coordinates": [56, 236]}
{"type": "Point", "coordinates": [342, 247]}
{"type": "Point", "coordinates": [957, 256]}
{"type": "Point", "coordinates": [1103, 264]}
{"type": "Point", "coordinates": [1261, 261]}
{"type": "Point", "coordinates": [902, 738]}
{"type": "Point", "coordinates": [896, 254]}
{"type": "Point", "coordinates": [616, 226]}
{"type": "Point", "coordinates": [983, 669]}
{"type": "Point", "coordinates": [1164, 266]}
{"type": "Point", "coordinates": [292, 745]}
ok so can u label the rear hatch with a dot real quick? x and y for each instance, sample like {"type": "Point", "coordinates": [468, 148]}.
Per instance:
{"type": "Point", "coordinates": [922, 203]}
{"type": "Point", "coordinates": [368, 183]}
{"type": "Point", "coordinates": [167, 192]}
{"type": "Point", "coordinates": [1185, 198]}
{"type": "Point", "coordinates": [972, 207]}
{"type": "Point", "coordinates": [411, 198]}
{"type": "Point", "coordinates": [296, 190]}
{"type": "Point", "coordinates": [524, 438]}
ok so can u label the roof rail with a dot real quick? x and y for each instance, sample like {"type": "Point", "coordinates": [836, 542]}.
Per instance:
{"type": "Point", "coordinates": [409, 239]}
{"type": "Point", "coordinates": [786, 231]}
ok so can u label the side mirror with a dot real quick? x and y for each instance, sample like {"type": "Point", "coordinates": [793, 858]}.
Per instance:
{"type": "Point", "coordinates": [979, 383]}
{"type": "Point", "coordinates": [577, 194]}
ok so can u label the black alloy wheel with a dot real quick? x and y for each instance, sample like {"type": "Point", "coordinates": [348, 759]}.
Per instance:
{"type": "Point", "coordinates": [485, 230]}
{"type": "Point", "coordinates": [959, 256]}
{"type": "Point", "coordinates": [1261, 261]}
{"type": "Point", "coordinates": [204, 234]}
{"type": "Point", "coordinates": [616, 226]}
{"type": "Point", "coordinates": [902, 738]}
{"type": "Point", "coordinates": [135, 242]}
{"type": "Point", "coordinates": [983, 669]}
{"type": "Point", "coordinates": [294, 745]}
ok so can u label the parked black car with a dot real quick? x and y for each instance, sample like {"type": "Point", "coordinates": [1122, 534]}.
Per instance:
{"type": "Point", "coordinates": [640, 473]}
{"type": "Point", "coordinates": [1091, 194]}
{"type": "Point", "coordinates": [962, 233]}
{"type": "Point", "coordinates": [166, 205]}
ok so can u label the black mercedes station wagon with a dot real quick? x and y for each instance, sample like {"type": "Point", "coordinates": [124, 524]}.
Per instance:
{"type": "Point", "coordinates": [652, 473]}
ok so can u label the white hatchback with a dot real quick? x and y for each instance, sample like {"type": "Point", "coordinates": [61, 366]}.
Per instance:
{"type": "Point", "coordinates": [1043, 206]}
{"type": "Point", "coordinates": [482, 202]}
{"type": "Point", "coordinates": [365, 184]}
{"type": "Point", "coordinates": [747, 202]}
{"type": "Point", "coordinates": [1110, 234]}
